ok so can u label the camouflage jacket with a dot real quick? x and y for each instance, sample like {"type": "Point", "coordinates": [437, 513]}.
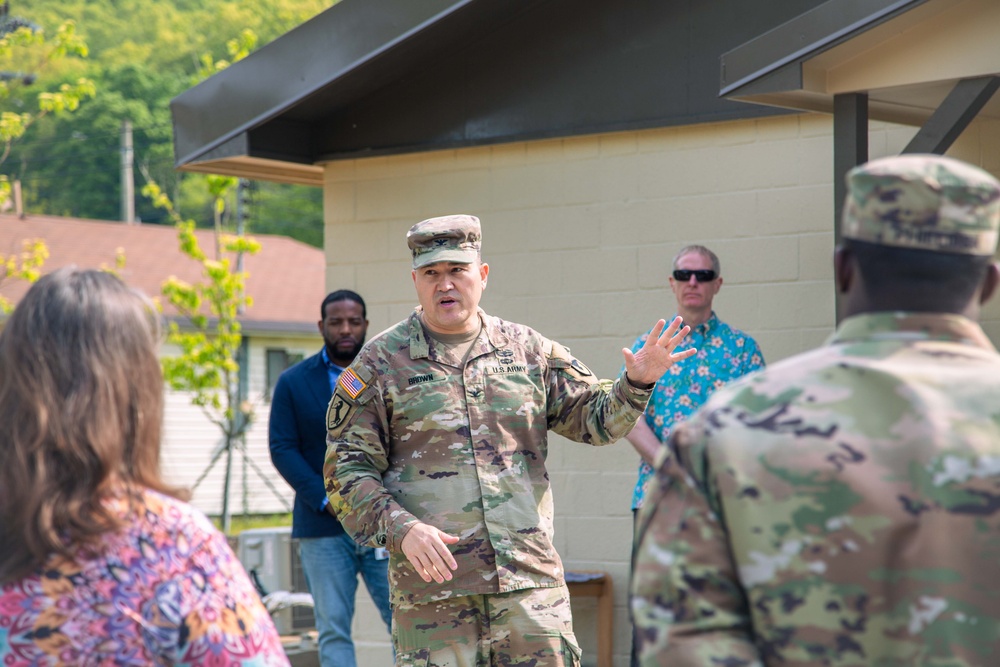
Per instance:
{"type": "Point", "coordinates": [840, 508]}
{"type": "Point", "coordinates": [415, 436]}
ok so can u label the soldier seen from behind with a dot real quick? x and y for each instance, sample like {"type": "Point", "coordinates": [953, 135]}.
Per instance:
{"type": "Point", "coordinates": [724, 354]}
{"type": "Point", "coordinates": [842, 507]}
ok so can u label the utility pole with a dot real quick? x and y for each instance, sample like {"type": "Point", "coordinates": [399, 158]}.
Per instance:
{"type": "Point", "coordinates": [242, 212]}
{"type": "Point", "coordinates": [128, 182]}
{"type": "Point", "coordinates": [18, 201]}
{"type": "Point", "coordinates": [243, 356]}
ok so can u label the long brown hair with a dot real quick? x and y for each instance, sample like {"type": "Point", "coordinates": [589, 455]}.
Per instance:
{"type": "Point", "coordinates": [81, 410]}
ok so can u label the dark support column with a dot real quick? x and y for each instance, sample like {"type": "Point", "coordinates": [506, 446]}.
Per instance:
{"type": "Point", "coordinates": [850, 145]}
{"type": "Point", "coordinates": [966, 99]}
{"type": "Point", "coordinates": [850, 148]}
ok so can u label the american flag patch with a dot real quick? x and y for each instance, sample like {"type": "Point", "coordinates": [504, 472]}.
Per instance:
{"type": "Point", "coordinates": [351, 383]}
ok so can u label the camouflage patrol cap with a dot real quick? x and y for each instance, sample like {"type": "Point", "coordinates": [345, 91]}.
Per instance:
{"type": "Point", "coordinates": [924, 202]}
{"type": "Point", "coordinates": [451, 238]}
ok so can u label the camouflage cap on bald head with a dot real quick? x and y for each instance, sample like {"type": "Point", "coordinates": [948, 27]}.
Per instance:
{"type": "Point", "coordinates": [924, 202]}
{"type": "Point", "coordinates": [451, 238]}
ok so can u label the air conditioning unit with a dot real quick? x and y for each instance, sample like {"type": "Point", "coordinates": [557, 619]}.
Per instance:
{"type": "Point", "coordinates": [271, 558]}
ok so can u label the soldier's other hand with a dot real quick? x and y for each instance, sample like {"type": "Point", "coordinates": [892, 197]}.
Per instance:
{"type": "Point", "coordinates": [426, 547]}
{"type": "Point", "coordinates": [657, 354]}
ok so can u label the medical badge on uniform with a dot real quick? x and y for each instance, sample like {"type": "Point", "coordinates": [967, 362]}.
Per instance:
{"type": "Point", "coordinates": [351, 383]}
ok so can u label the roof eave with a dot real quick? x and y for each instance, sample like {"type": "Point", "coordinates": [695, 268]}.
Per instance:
{"type": "Point", "coordinates": [768, 68]}
{"type": "Point", "coordinates": [229, 104]}
{"type": "Point", "coordinates": [260, 169]}
{"type": "Point", "coordinates": [801, 100]}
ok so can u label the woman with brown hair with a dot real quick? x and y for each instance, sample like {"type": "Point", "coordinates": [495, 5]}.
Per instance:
{"type": "Point", "coordinates": [100, 562]}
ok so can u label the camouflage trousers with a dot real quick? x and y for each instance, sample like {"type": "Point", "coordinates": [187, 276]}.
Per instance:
{"type": "Point", "coordinates": [531, 627]}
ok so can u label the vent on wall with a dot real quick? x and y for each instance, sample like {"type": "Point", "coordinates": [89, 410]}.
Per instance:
{"type": "Point", "coordinates": [271, 558]}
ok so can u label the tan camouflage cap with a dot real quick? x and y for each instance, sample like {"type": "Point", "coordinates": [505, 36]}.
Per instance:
{"type": "Point", "coordinates": [451, 238]}
{"type": "Point", "coordinates": [925, 202]}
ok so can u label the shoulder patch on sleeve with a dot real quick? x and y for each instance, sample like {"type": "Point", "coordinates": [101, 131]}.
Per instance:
{"type": "Point", "coordinates": [340, 408]}
{"type": "Point", "coordinates": [352, 384]}
{"type": "Point", "coordinates": [355, 388]}
{"type": "Point", "coordinates": [559, 357]}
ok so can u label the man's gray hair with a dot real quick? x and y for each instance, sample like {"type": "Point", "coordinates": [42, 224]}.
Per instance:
{"type": "Point", "coordinates": [704, 252]}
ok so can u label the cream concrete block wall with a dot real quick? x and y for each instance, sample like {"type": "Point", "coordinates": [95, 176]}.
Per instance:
{"type": "Point", "coordinates": [579, 234]}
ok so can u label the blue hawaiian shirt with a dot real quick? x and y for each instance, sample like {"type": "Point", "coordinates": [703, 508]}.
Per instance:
{"type": "Point", "coordinates": [724, 354]}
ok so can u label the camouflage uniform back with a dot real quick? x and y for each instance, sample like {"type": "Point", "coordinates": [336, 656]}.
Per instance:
{"type": "Point", "coordinates": [843, 506]}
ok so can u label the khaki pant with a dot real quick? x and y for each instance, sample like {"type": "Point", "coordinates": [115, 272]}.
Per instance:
{"type": "Point", "coordinates": [528, 627]}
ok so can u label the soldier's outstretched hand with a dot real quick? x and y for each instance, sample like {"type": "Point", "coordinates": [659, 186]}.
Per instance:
{"type": "Point", "coordinates": [657, 354]}
{"type": "Point", "coordinates": [426, 547]}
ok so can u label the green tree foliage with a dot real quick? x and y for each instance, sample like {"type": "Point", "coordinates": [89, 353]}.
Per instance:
{"type": "Point", "coordinates": [142, 54]}
{"type": "Point", "coordinates": [24, 266]}
{"type": "Point", "coordinates": [74, 168]}
{"type": "Point", "coordinates": [26, 54]}
{"type": "Point", "coordinates": [208, 365]}
{"type": "Point", "coordinates": [171, 35]}
{"type": "Point", "coordinates": [291, 210]}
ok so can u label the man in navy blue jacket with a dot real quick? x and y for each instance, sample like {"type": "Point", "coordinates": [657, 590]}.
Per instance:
{"type": "Point", "coordinates": [331, 560]}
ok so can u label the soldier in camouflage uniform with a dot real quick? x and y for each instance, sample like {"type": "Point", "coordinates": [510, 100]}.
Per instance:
{"type": "Point", "coordinates": [843, 506]}
{"type": "Point", "coordinates": [436, 450]}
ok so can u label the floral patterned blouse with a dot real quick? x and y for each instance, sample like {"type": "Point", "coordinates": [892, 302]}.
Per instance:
{"type": "Point", "coordinates": [724, 354]}
{"type": "Point", "coordinates": [166, 590]}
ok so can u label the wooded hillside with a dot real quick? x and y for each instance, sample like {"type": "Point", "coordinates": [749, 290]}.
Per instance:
{"type": "Point", "coordinates": [141, 54]}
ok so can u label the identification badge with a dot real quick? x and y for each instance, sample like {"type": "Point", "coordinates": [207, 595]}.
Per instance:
{"type": "Point", "coordinates": [381, 553]}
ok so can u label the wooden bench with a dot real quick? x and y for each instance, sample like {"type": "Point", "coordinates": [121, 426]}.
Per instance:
{"type": "Point", "coordinates": [583, 583]}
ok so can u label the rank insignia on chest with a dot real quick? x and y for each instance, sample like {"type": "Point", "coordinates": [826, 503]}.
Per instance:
{"type": "Point", "coordinates": [351, 383]}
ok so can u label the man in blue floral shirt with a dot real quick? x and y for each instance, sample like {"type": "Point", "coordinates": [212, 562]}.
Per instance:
{"type": "Point", "coordinates": [724, 354]}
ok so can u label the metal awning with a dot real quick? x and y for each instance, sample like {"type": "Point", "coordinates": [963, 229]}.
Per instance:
{"type": "Point", "coordinates": [378, 77]}
{"type": "Point", "coordinates": [905, 55]}
{"type": "Point", "coordinates": [934, 64]}
{"type": "Point", "coordinates": [255, 116]}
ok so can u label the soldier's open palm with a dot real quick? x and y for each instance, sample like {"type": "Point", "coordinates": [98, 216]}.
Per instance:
{"type": "Point", "coordinates": [657, 354]}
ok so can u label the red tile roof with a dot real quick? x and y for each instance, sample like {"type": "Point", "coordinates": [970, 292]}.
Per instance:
{"type": "Point", "coordinates": [286, 278]}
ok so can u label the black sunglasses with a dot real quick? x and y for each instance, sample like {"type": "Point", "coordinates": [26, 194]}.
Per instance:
{"type": "Point", "coordinates": [701, 275]}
